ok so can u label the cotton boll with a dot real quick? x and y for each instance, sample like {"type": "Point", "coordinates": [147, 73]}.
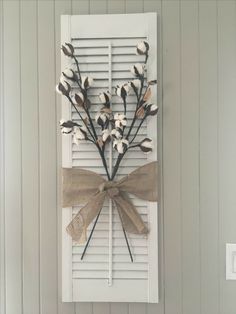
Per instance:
{"type": "Point", "coordinates": [142, 48]}
{"type": "Point", "coordinates": [101, 118]}
{"type": "Point", "coordinates": [135, 84]}
{"type": "Point", "coordinates": [137, 69]}
{"type": "Point", "coordinates": [116, 133]}
{"type": "Point", "coordinates": [120, 120]}
{"type": "Point", "coordinates": [68, 50]}
{"type": "Point", "coordinates": [105, 98]}
{"type": "Point", "coordinates": [79, 134]}
{"type": "Point", "coordinates": [63, 88]}
{"type": "Point", "coordinates": [146, 145]}
{"type": "Point", "coordinates": [151, 109]}
{"type": "Point", "coordinates": [86, 82]}
{"type": "Point", "coordinates": [120, 145]}
{"type": "Point", "coordinates": [78, 99]}
{"type": "Point", "coordinates": [118, 91]}
{"type": "Point", "coordinates": [122, 91]}
{"type": "Point", "coordinates": [67, 126]}
{"type": "Point", "coordinates": [126, 86]}
{"type": "Point", "coordinates": [69, 74]}
{"type": "Point", "coordinates": [105, 135]}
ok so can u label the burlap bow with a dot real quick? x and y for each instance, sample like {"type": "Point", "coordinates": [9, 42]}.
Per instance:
{"type": "Point", "coordinates": [82, 186]}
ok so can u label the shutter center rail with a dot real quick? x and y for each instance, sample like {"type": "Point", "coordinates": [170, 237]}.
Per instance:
{"type": "Point", "coordinates": [110, 262]}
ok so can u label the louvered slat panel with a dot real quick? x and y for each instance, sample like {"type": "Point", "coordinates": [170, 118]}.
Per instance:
{"type": "Point", "coordinates": [108, 59]}
{"type": "Point", "coordinates": [96, 55]}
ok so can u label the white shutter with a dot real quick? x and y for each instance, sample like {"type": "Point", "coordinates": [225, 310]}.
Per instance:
{"type": "Point", "coordinates": [105, 47]}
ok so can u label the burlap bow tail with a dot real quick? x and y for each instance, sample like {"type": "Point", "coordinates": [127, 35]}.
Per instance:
{"type": "Point", "coordinates": [82, 186]}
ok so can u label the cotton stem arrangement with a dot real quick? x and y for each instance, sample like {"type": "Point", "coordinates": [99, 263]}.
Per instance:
{"type": "Point", "coordinates": [113, 126]}
{"type": "Point", "coordinates": [106, 126]}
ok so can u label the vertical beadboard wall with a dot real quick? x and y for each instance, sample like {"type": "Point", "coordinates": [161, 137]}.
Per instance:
{"type": "Point", "coordinates": [197, 134]}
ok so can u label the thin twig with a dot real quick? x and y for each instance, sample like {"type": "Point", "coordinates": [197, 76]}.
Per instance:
{"type": "Point", "coordinates": [90, 236]}
{"type": "Point", "coordinates": [126, 239]}
{"type": "Point", "coordinates": [137, 107]}
{"type": "Point", "coordinates": [136, 133]}
{"type": "Point", "coordinates": [127, 242]}
{"type": "Point", "coordinates": [81, 117]}
{"type": "Point", "coordinates": [77, 64]}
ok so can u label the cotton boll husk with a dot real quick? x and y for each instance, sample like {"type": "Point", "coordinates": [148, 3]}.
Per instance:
{"type": "Point", "coordinates": [120, 120]}
{"type": "Point", "coordinates": [105, 135]}
{"type": "Point", "coordinates": [127, 88]}
{"type": "Point", "coordinates": [135, 84]}
{"type": "Point", "coordinates": [68, 73]}
{"type": "Point", "coordinates": [58, 90]}
{"type": "Point", "coordinates": [120, 145]}
{"type": "Point", "coordinates": [142, 48]}
{"type": "Point", "coordinates": [101, 118]}
{"type": "Point", "coordinates": [105, 97]}
{"type": "Point", "coordinates": [146, 145]}
{"type": "Point", "coordinates": [67, 49]}
{"type": "Point", "coordinates": [151, 109]}
{"type": "Point", "coordinates": [63, 88]}
{"type": "Point", "coordinates": [86, 82]}
{"type": "Point", "coordinates": [137, 69]}
{"type": "Point", "coordinates": [116, 133]}
{"type": "Point", "coordinates": [122, 91]}
{"type": "Point", "coordinates": [78, 99]}
{"type": "Point", "coordinates": [80, 133]}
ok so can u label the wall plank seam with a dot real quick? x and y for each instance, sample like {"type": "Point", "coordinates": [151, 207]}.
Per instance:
{"type": "Point", "coordinates": [2, 170]}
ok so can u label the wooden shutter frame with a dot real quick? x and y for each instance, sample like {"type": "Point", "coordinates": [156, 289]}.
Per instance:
{"type": "Point", "coordinates": [68, 28]}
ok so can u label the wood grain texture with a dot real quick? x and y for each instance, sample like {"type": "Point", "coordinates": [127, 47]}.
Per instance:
{"type": "Point", "coordinates": [30, 162]}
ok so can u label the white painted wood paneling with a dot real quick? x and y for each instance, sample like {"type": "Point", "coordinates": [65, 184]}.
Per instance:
{"type": "Point", "coordinates": [171, 36]}
{"type": "Point", "coordinates": [189, 167]}
{"type": "Point", "coordinates": [61, 7]}
{"type": "Point", "coordinates": [30, 162]}
{"type": "Point", "coordinates": [208, 115]}
{"type": "Point", "coordinates": [2, 174]}
{"type": "Point", "coordinates": [227, 147]}
{"type": "Point", "coordinates": [215, 44]}
{"type": "Point", "coordinates": [13, 157]}
{"type": "Point", "coordinates": [48, 157]}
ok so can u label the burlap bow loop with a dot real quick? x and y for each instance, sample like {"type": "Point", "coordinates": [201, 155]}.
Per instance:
{"type": "Point", "coordinates": [83, 186]}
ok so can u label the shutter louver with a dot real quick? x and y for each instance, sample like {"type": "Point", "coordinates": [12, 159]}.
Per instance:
{"type": "Point", "coordinates": [106, 272]}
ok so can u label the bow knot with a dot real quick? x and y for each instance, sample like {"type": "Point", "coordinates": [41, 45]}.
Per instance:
{"type": "Point", "coordinates": [110, 188]}
{"type": "Point", "coordinates": [81, 186]}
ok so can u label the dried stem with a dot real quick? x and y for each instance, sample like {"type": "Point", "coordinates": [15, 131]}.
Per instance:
{"type": "Point", "coordinates": [101, 150]}
{"type": "Point", "coordinates": [78, 69]}
{"type": "Point", "coordinates": [136, 133]}
{"type": "Point", "coordinates": [69, 98]}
